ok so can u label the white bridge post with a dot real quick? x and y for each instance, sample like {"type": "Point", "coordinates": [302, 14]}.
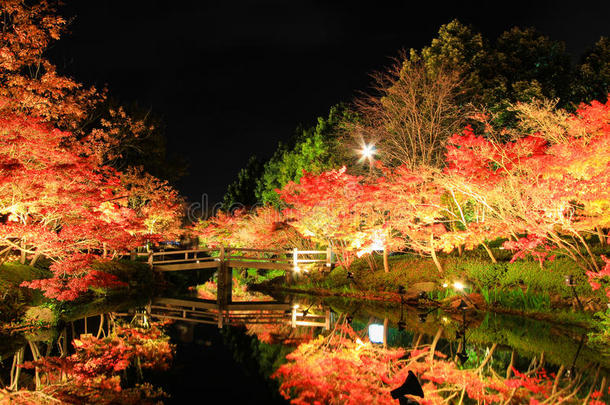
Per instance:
{"type": "Point", "coordinates": [295, 264]}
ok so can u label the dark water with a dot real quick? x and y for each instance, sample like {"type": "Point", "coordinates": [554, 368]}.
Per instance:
{"type": "Point", "coordinates": [234, 362]}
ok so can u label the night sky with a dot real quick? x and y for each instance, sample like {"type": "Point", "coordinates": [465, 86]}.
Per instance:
{"type": "Point", "coordinates": [232, 78]}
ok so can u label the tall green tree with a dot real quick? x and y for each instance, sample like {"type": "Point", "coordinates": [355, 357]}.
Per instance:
{"type": "Point", "coordinates": [242, 191]}
{"type": "Point", "coordinates": [459, 48]}
{"type": "Point", "coordinates": [314, 150]}
{"type": "Point", "coordinates": [520, 65]}
{"type": "Point", "coordinates": [594, 73]}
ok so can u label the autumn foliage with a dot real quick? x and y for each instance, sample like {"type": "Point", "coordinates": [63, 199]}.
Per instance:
{"type": "Point", "coordinates": [61, 195]}
{"type": "Point", "coordinates": [543, 187]}
{"type": "Point", "coordinates": [343, 368]}
{"type": "Point", "coordinates": [93, 373]}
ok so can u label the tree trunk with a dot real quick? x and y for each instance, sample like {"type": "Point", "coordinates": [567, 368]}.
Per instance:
{"type": "Point", "coordinates": [23, 257]}
{"type": "Point", "coordinates": [386, 267]}
{"type": "Point", "coordinates": [600, 235]}
{"type": "Point", "coordinates": [593, 261]}
{"type": "Point", "coordinates": [487, 358]}
{"type": "Point", "coordinates": [439, 332]}
{"type": "Point", "coordinates": [433, 253]}
{"type": "Point", "coordinates": [489, 252]}
{"type": "Point", "coordinates": [509, 369]}
{"type": "Point", "coordinates": [557, 378]}
{"type": "Point", "coordinates": [35, 259]}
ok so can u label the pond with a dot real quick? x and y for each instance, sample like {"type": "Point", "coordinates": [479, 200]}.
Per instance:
{"type": "Point", "coordinates": [341, 349]}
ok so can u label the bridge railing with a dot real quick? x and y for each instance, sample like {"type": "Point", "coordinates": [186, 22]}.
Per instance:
{"type": "Point", "coordinates": [296, 260]}
{"type": "Point", "coordinates": [184, 256]}
{"type": "Point", "coordinates": [252, 312]}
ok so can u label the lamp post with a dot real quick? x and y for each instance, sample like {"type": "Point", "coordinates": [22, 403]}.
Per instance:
{"type": "Point", "coordinates": [570, 283]}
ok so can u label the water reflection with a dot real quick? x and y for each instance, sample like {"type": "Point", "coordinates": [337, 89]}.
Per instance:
{"type": "Point", "coordinates": [458, 357]}
{"type": "Point", "coordinates": [103, 364]}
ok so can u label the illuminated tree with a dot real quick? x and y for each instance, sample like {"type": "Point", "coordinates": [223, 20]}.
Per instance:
{"type": "Point", "coordinates": [323, 208]}
{"type": "Point", "coordinates": [412, 116]}
{"type": "Point", "coordinates": [262, 228]}
{"type": "Point", "coordinates": [414, 207]}
{"type": "Point", "coordinates": [49, 189]}
{"type": "Point", "coordinates": [550, 186]}
{"type": "Point", "coordinates": [29, 82]}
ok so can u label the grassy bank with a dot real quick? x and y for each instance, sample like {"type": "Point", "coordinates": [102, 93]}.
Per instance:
{"type": "Point", "coordinates": [139, 280]}
{"type": "Point", "coordinates": [14, 299]}
{"type": "Point", "coordinates": [519, 288]}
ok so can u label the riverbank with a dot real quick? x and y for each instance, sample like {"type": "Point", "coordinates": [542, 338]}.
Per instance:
{"type": "Point", "coordinates": [24, 308]}
{"type": "Point", "coordinates": [521, 288]}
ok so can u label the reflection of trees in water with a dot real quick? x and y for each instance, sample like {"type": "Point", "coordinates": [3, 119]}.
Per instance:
{"type": "Point", "coordinates": [100, 367]}
{"type": "Point", "coordinates": [282, 333]}
{"type": "Point", "coordinates": [528, 337]}
{"type": "Point", "coordinates": [240, 292]}
{"type": "Point", "coordinates": [343, 367]}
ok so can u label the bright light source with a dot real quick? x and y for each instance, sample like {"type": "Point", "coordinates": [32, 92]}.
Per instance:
{"type": "Point", "coordinates": [297, 269]}
{"type": "Point", "coordinates": [376, 333]}
{"type": "Point", "coordinates": [368, 151]}
{"type": "Point", "coordinates": [444, 319]}
{"type": "Point", "coordinates": [458, 285]}
{"type": "Point", "coordinates": [445, 285]}
{"type": "Point", "coordinates": [295, 306]}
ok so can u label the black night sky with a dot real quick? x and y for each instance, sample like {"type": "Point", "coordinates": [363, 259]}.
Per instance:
{"type": "Point", "coordinates": [232, 78]}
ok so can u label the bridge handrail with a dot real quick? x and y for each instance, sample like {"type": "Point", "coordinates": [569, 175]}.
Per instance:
{"type": "Point", "coordinates": [285, 252]}
{"type": "Point", "coordinates": [311, 252]}
{"type": "Point", "coordinates": [294, 257]}
{"type": "Point", "coordinates": [189, 260]}
{"type": "Point", "coordinates": [171, 252]}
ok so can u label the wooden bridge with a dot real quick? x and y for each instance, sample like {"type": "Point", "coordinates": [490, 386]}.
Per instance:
{"type": "Point", "coordinates": [290, 260]}
{"type": "Point", "coordinates": [224, 259]}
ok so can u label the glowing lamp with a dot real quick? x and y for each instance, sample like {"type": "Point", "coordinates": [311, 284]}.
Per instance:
{"type": "Point", "coordinates": [376, 333]}
{"type": "Point", "coordinates": [368, 151]}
